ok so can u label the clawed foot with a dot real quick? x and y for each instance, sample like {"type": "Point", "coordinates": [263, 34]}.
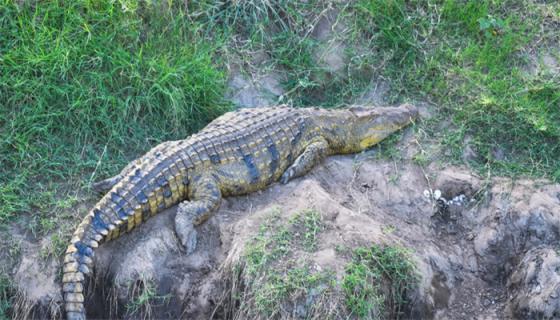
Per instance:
{"type": "Point", "coordinates": [186, 231]}
{"type": "Point", "coordinates": [287, 176]}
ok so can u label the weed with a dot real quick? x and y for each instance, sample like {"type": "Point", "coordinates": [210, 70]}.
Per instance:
{"type": "Point", "coordinates": [309, 221]}
{"type": "Point", "coordinates": [377, 281]}
{"type": "Point", "coordinates": [6, 296]}
{"type": "Point", "coordinates": [55, 247]}
{"type": "Point", "coordinates": [421, 158]}
{"type": "Point", "coordinates": [144, 297]}
{"type": "Point", "coordinates": [388, 229]}
{"type": "Point", "coordinates": [362, 296]}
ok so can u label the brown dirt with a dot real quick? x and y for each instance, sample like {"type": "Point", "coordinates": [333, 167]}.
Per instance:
{"type": "Point", "coordinates": [491, 253]}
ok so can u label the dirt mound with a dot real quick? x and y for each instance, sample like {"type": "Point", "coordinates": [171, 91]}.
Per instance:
{"type": "Point", "coordinates": [480, 247]}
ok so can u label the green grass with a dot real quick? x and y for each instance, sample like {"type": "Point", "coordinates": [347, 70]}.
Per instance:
{"type": "Point", "coordinates": [467, 57]}
{"type": "Point", "coordinates": [309, 224]}
{"type": "Point", "coordinates": [6, 296]}
{"type": "Point", "coordinates": [86, 85]}
{"type": "Point", "coordinates": [377, 281]}
{"type": "Point", "coordinates": [144, 298]}
{"type": "Point", "coordinates": [273, 275]}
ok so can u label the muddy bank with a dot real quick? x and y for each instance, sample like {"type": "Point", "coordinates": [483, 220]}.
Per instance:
{"type": "Point", "coordinates": [483, 247]}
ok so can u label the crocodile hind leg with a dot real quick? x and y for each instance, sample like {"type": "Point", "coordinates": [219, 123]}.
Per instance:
{"type": "Point", "coordinates": [204, 199]}
{"type": "Point", "coordinates": [315, 152]}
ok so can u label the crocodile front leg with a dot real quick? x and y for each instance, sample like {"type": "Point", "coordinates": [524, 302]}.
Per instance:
{"type": "Point", "coordinates": [204, 199]}
{"type": "Point", "coordinates": [315, 152]}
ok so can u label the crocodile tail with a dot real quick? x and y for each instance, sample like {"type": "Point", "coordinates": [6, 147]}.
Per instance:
{"type": "Point", "coordinates": [78, 262]}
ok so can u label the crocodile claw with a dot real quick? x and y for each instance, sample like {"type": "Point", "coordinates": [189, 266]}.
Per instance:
{"type": "Point", "coordinates": [287, 176]}
{"type": "Point", "coordinates": [186, 232]}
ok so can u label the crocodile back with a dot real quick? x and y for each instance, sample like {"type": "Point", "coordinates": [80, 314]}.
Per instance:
{"type": "Point", "coordinates": [250, 148]}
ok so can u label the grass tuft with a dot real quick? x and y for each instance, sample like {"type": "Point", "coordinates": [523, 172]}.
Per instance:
{"type": "Point", "coordinates": [144, 299]}
{"type": "Point", "coordinates": [377, 282]}
{"type": "Point", "coordinates": [6, 296]}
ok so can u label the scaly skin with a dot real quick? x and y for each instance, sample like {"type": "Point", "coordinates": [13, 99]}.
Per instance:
{"type": "Point", "coordinates": [238, 153]}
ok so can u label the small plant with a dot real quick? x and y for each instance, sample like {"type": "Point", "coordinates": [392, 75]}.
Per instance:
{"type": "Point", "coordinates": [421, 158]}
{"type": "Point", "coordinates": [388, 229]}
{"type": "Point", "coordinates": [491, 26]}
{"type": "Point", "coordinates": [309, 221]}
{"type": "Point", "coordinates": [55, 247]}
{"type": "Point", "coordinates": [361, 291]}
{"type": "Point", "coordinates": [6, 296]}
{"type": "Point", "coordinates": [144, 298]}
{"type": "Point", "coordinates": [377, 281]}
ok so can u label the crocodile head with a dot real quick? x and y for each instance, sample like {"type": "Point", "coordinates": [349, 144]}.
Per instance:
{"type": "Point", "coordinates": [371, 125]}
{"type": "Point", "coordinates": [358, 128]}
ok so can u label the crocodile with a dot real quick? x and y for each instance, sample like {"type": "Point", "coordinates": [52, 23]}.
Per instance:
{"type": "Point", "coordinates": [238, 153]}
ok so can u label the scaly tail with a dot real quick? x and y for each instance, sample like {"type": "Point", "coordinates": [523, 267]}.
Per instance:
{"type": "Point", "coordinates": [77, 265]}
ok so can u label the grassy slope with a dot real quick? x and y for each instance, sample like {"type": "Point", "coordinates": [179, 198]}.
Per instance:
{"type": "Point", "coordinates": [471, 63]}
{"type": "Point", "coordinates": [86, 85]}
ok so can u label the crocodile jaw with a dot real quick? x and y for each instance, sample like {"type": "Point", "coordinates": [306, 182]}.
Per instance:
{"type": "Point", "coordinates": [374, 125]}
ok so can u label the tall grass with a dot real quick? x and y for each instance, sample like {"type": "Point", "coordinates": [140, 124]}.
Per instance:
{"type": "Point", "coordinates": [87, 84]}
